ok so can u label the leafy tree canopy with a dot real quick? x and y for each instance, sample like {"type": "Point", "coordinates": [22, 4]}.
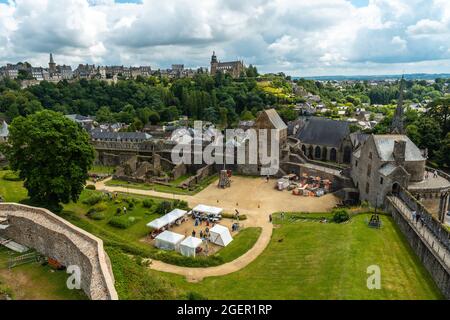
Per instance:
{"type": "Point", "coordinates": [52, 155]}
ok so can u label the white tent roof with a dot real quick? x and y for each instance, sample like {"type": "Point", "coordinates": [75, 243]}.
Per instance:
{"type": "Point", "coordinates": [170, 237]}
{"type": "Point", "coordinates": [207, 209]}
{"type": "Point", "coordinates": [223, 232]}
{"type": "Point", "coordinates": [191, 242]}
{"type": "Point", "coordinates": [169, 218]}
{"type": "Point", "coordinates": [176, 214]}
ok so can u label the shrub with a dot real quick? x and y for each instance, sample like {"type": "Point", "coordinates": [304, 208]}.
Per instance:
{"type": "Point", "coordinates": [90, 187]}
{"type": "Point", "coordinates": [131, 205]}
{"type": "Point", "coordinates": [123, 222]}
{"type": "Point", "coordinates": [97, 216]}
{"type": "Point", "coordinates": [181, 204]}
{"type": "Point", "coordinates": [93, 200]}
{"type": "Point", "coordinates": [340, 216]}
{"type": "Point", "coordinates": [118, 211]}
{"type": "Point", "coordinates": [164, 207]}
{"type": "Point", "coordinates": [11, 176]}
{"type": "Point", "coordinates": [242, 217]}
{"type": "Point", "coordinates": [148, 203]}
{"type": "Point", "coordinates": [101, 206]}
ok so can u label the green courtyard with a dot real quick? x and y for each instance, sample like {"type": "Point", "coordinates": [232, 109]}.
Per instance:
{"type": "Point", "coordinates": [311, 260]}
{"type": "Point", "coordinates": [305, 259]}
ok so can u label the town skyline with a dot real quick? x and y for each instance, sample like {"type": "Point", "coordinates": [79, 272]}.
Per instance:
{"type": "Point", "coordinates": [310, 39]}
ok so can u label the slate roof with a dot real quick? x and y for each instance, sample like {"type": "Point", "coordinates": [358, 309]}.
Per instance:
{"type": "Point", "coordinates": [119, 136]}
{"type": "Point", "coordinates": [358, 138]}
{"type": "Point", "coordinates": [385, 147]}
{"type": "Point", "coordinates": [323, 131]}
{"type": "Point", "coordinates": [387, 169]}
{"type": "Point", "coordinates": [275, 119]}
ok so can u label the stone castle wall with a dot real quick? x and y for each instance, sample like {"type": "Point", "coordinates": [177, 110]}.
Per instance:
{"type": "Point", "coordinates": [431, 259]}
{"type": "Point", "coordinates": [56, 238]}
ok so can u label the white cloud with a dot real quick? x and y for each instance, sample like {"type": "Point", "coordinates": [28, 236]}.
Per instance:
{"type": "Point", "coordinates": [300, 37]}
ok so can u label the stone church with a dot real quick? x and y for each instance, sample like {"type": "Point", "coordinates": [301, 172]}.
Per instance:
{"type": "Point", "coordinates": [233, 68]}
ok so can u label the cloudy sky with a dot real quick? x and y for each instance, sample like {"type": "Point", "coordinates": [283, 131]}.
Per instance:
{"type": "Point", "coordinates": [299, 37]}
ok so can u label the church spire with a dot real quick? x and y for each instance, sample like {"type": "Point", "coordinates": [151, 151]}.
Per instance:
{"type": "Point", "coordinates": [52, 64]}
{"type": "Point", "coordinates": [397, 121]}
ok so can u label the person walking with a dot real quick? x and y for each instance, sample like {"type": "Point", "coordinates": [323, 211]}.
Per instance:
{"type": "Point", "coordinates": [193, 233]}
{"type": "Point", "coordinates": [413, 215]}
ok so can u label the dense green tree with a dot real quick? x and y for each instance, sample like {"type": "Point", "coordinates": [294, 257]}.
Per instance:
{"type": "Point", "coordinates": [444, 151]}
{"type": "Point", "coordinates": [52, 155]}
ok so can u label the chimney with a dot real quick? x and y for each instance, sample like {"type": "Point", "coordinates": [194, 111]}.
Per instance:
{"type": "Point", "coordinates": [399, 151]}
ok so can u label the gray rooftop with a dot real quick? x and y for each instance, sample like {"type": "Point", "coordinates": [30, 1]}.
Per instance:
{"type": "Point", "coordinates": [275, 119]}
{"type": "Point", "coordinates": [323, 131]}
{"type": "Point", "coordinates": [119, 136]}
{"type": "Point", "coordinates": [385, 147]}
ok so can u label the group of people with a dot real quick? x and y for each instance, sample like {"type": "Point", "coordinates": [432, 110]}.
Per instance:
{"type": "Point", "coordinates": [435, 174]}
{"type": "Point", "coordinates": [204, 235]}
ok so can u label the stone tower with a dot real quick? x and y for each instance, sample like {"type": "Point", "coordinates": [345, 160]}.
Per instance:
{"type": "Point", "coordinates": [214, 63]}
{"type": "Point", "coordinates": [51, 65]}
{"type": "Point", "coordinates": [397, 121]}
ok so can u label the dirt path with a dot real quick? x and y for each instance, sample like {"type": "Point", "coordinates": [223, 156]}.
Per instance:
{"type": "Point", "coordinates": [253, 197]}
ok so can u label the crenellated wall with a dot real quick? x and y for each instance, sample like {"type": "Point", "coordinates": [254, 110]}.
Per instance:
{"type": "Point", "coordinates": [54, 237]}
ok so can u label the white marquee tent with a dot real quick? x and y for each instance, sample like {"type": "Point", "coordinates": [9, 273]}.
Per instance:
{"type": "Point", "coordinates": [167, 219]}
{"type": "Point", "coordinates": [189, 246]}
{"type": "Point", "coordinates": [168, 240]}
{"type": "Point", "coordinates": [201, 208]}
{"type": "Point", "coordinates": [220, 235]}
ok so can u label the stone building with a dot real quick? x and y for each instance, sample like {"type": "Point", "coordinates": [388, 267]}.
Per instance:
{"type": "Point", "coordinates": [268, 120]}
{"type": "Point", "coordinates": [233, 68]}
{"type": "Point", "coordinates": [325, 139]}
{"type": "Point", "coordinates": [383, 164]}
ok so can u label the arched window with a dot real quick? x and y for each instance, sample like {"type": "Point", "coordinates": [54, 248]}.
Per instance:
{"type": "Point", "coordinates": [333, 155]}
{"type": "Point", "coordinates": [317, 152]}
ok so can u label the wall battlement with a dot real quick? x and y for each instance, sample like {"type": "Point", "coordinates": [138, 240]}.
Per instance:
{"type": "Point", "coordinates": [56, 238]}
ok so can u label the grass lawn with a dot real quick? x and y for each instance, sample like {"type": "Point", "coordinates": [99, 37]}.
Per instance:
{"type": "Point", "coordinates": [310, 260]}
{"type": "Point", "coordinates": [12, 191]}
{"type": "Point", "coordinates": [102, 169]}
{"type": "Point", "coordinates": [172, 188]}
{"type": "Point", "coordinates": [34, 281]}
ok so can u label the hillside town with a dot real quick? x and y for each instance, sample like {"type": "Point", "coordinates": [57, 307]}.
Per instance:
{"type": "Point", "coordinates": [233, 167]}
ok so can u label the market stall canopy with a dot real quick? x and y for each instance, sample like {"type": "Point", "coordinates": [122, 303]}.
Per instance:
{"type": "Point", "coordinates": [201, 208]}
{"type": "Point", "coordinates": [220, 235]}
{"type": "Point", "coordinates": [167, 219]}
{"type": "Point", "coordinates": [168, 240]}
{"type": "Point", "coordinates": [189, 246]}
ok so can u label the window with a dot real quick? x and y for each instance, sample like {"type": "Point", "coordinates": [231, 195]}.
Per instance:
{"type": "Point", "coordinates": [370, 155]}
{"type": "Point", "coordinates": [367, 187]}
{"type": "Point", "coordinates": [381, 180]}
{"type": "Point", "coordinates": [356, 163]}
{"type": "Point", "coordinates": [369, 170]}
